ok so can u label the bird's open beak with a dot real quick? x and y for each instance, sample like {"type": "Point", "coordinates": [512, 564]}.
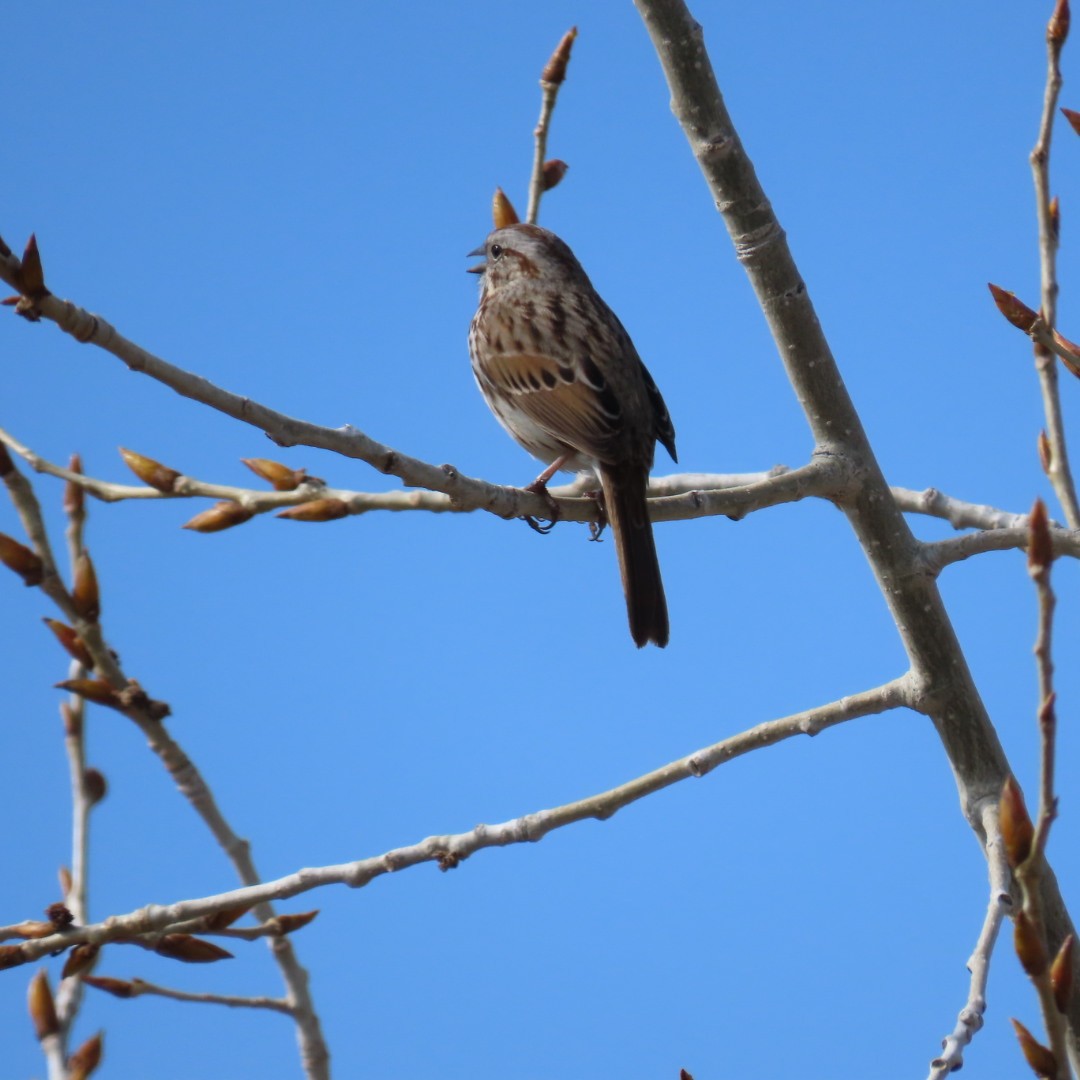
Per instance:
{"type": "Point", "coordinates": [480, 267]}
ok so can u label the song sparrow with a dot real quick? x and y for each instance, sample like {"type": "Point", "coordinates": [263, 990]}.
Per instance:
{"type": "Point", "coordinates": [563, 377]}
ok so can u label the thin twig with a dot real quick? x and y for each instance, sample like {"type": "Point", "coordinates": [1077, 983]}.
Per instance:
{"type": "Point", "coordinates": [148, 716]}
{"type": "Point", "coordinates": [552, 78]}
{"type": "Point", "coordinates": [140, 987]}
{"type": "Point", "coordinates": [970, 1019]}
{"type": "Point", "coordinates": [451, 850]}
{"type": "Point", "coordinates": [1059, 471]}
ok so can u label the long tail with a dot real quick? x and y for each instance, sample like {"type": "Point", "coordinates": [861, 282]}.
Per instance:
{"type": "Point", "coordinates": [627, 513]}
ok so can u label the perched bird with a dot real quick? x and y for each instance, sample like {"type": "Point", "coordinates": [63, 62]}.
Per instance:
{"type": "Point", "coordinates": [563, 377]}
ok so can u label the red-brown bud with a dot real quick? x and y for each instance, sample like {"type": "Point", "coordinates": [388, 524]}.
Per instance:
{"type": "Point", "coordinates": [1070, 353]}
{"type": "Point", "coordinates": [1040, 547]}
{"type": "Point", "coordinates": [96, 690]}
{"type": "Point", "coordinates": [21, 559]}
{"type": "Point", "coordinates": [220, 516]}
{"type": "Point", "coordinates": [554, 171]}
{"type": "Point", "coordinates": [86, 1059]}
{"type": "Point", "coordinates": [1061, 975]}
{"type": "Point", "coordinates": [150, 471]}
{"type": "Point", "coordinates": [120, 988]}
{"type": "Point", "coordinates": [11, 956]}
{"type": "Point", "coordinates": [191, 950]}
{"type": "Point", "coordinates": [1074, 119]}
{"type": "Point", "coordinates": [95, 786]}
{"type": "Point", "coordinates": [71, 642]}
{"type": "Point", "coordinates": [42, 1009]}
{"type": "Point", "coordinates": [59, 915]}
{"type": "Point", "coordinates": [287, 924]}
{"type": "Point", "coordinates": [64, 874]}
{"type": "Point", "coordinates": [1046, 454]}
{"type": "Point", "coordinates": [502, 210]}
{"type": "Point", "coordinates": [1029, 945]}
{"type": "Point", "coordinates": [1057, 30]}
{"type": "Point", "coordinates": [317, 510]}
{"type": "Point", "coordinates": [85, 596]}
{"type": "Point", "coordinates": [74, 494]}
{"type": "Point", "coordinates": [1017, 312]}
{"type": "Point", "coordinates": [79, 959]}
{"type": "Point", "coordinates": [279, 476]}
{"type": "Point", "coordinates": [1042, 1061]}
{"type": "Point", "coordinates": [555, 70]}
{"type": "Point", "coordinates": [222, 919]}
{"type": "Point", "coordinates": [1016, 828]}
{"type": "Point", "coordinates": [32, 278]}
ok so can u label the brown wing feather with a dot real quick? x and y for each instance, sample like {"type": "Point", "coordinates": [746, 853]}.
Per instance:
{"type": "Point", "coordinates": [554, 397]}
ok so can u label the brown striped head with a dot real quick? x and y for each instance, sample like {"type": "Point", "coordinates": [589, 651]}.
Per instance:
{"type": "Point", "coordinates": [526, 252]}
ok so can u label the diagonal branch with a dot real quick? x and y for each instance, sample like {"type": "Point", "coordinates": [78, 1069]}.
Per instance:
{"type": "Point", "coordinates": [449, 851]}
{"type": "Point", "coordinates": [948, 693]}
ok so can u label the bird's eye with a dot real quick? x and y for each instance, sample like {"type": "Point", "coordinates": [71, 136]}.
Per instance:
{"type": "Point", "coordinates": [496, 250]}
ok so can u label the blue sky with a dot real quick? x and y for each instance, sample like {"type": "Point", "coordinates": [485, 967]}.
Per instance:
{"type": "Point", "coordinates": [282, 200]}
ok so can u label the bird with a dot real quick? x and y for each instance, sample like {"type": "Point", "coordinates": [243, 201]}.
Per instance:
{"type": "Point", "coordinates": [559, 371]}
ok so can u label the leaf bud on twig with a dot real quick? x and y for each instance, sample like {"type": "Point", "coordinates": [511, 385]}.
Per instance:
{"type": "Point", "coordinates": [85, 595]}
{"type": "Point", "coordinates": [555, 69]}
{"type": "Point", "coordinates": [19, 558]}
{"type": "Point", "coordinates": [279, 476]}
{"type": "Point", "coordinates": [1061, 975]}
{"type": "Point", "coordinates": [150, 471]}
{"type": "Point", "coordinates": [317, 510]}
{"type": "Point", "coordinates": [73, 644]}
{"type": "Point", "coordinates": [1016, 828]}
{"type": "Point", "coordinates": [42, 1009]}
{"type": "Point", "coordinates": [220, 516]}
{"type": "Point", "coordinates": [86, 1059]}
{"type": "Point", "coordinates": [1042, 1061]}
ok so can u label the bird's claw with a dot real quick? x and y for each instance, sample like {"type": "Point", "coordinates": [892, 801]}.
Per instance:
{"type": "Point", "coordinates": [539, 487]}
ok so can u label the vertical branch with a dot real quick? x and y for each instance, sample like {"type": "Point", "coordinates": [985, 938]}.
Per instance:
{"type": "Point", "coordinates": [1026, 844]}
{"type": "Point", "coordinates": [550, 80]}
{"type": "Point", "coordinates": [1057, 467]}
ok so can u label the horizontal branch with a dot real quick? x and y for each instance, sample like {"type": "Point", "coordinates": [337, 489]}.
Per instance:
{"type": "Point", "coordinates": [450, 851]}
{"type": "Point", "coordinates": [138, 987]}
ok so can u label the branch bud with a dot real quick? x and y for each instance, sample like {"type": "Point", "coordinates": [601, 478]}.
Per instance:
{"type": "Point", "coordinates": [1040, 547]}
{"type": "Point", "coordinates": [1057, 30]}
{"type": "Point", "coordinates": [191, 950]}
{"type": "Point", "coordinates": [71, 642]}
{"type": "Point", "coordinates": [150, 471]}
{"type": "Point", "coordinates": [42, 1010]}
{"type": "Point", "coordinates": [1017, 312]}
{"type": "Point", "coordinates": [86, 1059]}
{"type": "Point", "coordinates": [222, 919]}
{"type": "Point", "coordinates": [21, 559]}
{"type": "Point", "coordinates": [6, 464]}
{"type": "Point", "coordinates": [279, 476]}
{"type": "Point", "coordinates": [1042, 1061]}
{"type": "Point", "coordinates": [1061, 975]}
{"type": "Point", "coordinates": [85, 595]}
{"type": "Point", "coordinates": [220, 516]}
{"type": "Point", "coordinates": [79, 959]}
{"type": "Point", "coordinates": [1074, 119]}
{"type": "Point", "coordinates": [120, 988]}
{"type": "Point", "coordinates": [32, 278]}
{"type": "Point", "coordinates": [95, 786]}
{"type": "Point", "coordinates": [1029, 945]}
{"type": "Point", "coordinates": [96, 690]}
{"type": "Point", "coordinates": [555, 70]}
{"type": "Point", "coordinates": [59, 916]}
{"type": "Point", "coordinates": [287, 924]}
{"type": "Point", "coordinates": [74, 495]}
{"type": "Point", "coordinates": [502, 211]}
{"type": "Point", "coordinates": [1016, 828]}
{"type": "Point", "coordinates": [317, 510]}
{"type": "Point", "coordinates": [554, 171]}
{"type": "Point", "coordinates": [1046, 454]}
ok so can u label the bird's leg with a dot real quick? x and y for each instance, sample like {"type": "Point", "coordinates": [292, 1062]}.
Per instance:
{"type": "Point", "coordinates": [539, 487]}
{"type": "Point", "coordinates": [596, 528]}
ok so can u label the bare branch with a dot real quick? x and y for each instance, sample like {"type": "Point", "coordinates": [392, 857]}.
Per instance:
{"type": "Point", "coordinates": [1059, 470]}
{"type": "Point", "coordinates": [449, 851]}
{"type": "Point", "coordinates": [140, 987]}
{"type": "Point", "coordinates": [970, 1019]}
